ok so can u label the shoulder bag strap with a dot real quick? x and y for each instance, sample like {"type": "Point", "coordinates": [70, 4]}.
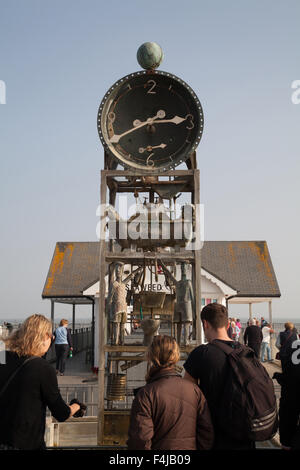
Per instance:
{"type": "Point", "coordinates": [15, 373]}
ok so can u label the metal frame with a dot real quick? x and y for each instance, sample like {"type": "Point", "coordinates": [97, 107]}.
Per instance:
{"type": "Point", "coordinates": [109, 187]}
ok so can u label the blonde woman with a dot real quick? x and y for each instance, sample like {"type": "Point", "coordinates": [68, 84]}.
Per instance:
{"type": "Point", "coordinates": [28, 385]}
{"type": "Point", "coordinates": [168, 413]}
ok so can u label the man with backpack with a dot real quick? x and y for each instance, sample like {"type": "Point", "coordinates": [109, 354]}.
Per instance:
{"type": "Point", "coordinates": [239, 392]}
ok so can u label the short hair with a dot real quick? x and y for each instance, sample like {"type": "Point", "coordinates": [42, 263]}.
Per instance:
{"type": "Point", "coordinates": [289, 325]}
{"type": "Point", "coordinates": [215, 314]}
{"type": "Point", "coordinates": [63, 322]}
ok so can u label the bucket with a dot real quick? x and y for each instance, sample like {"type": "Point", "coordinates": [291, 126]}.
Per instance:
{"type": "Point", "coordinates": [116, 387]}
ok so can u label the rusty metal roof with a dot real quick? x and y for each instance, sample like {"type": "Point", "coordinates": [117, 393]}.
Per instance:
{"type": "Point", "coordinates": [74, 266]}
{"type": "Point", "coordinates": [245, 266]}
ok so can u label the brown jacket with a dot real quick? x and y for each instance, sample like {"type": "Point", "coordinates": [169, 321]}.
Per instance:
{"type": "Point", "coordinates": [170, 413]}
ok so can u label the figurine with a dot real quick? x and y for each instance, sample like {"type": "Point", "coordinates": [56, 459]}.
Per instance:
{"type": "Point", "coordinates": [116, 303]}
{"type": "Point", "coordinates": [184, 312]}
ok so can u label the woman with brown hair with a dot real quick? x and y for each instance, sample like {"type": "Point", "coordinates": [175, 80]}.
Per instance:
{"type": "Point", "coordinates": [168, 413]}
{"type": "Point", "coordinates": [28, 384]}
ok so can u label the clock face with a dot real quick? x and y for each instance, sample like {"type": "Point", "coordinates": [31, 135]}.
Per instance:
{"type": "Point", "coordinates": [150, 121]}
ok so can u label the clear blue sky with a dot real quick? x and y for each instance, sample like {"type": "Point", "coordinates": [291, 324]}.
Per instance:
{"type": "Point", "coordinates": [58, 58]}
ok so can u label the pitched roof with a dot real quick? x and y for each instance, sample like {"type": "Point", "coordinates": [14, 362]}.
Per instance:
{"type": "Point", "coordinates": [74, 266]}
{"type": "Point", "coordinates": [245, 266]}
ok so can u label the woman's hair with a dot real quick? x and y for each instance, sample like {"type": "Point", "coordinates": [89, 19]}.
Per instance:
{"type": "Point", "coordinates": [63, 322]}
{"type": "Point", "coordinates": [163, 353]}
{"type": "Point", "coordinates": [29, 338]}
{"type": "Point", "coordinates": [289, 325]}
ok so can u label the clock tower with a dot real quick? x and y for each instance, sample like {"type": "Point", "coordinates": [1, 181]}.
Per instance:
{"type": "Point", "coordinates": [149, 122]}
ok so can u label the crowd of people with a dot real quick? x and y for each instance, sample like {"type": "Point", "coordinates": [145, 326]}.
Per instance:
{"type": "Point", "coordinates": [167, 404]}
{"type": "Point", "coordinates": [206, 408]}
{"type": "Point", "coordinates": [257, 335]}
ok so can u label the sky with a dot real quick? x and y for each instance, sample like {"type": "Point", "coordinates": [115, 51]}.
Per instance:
{"type": "Point", "coordinates": [58, 59]}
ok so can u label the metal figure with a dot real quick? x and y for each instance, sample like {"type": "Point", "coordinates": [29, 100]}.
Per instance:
{"type": "Point", "coordinates": [117, 304]}
{"type": "Point", "coordinates": [184, 312]}
{"type": "Point", "coordinates": [150, 327]}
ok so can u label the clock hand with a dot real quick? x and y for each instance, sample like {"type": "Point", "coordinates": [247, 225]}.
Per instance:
{"type": "Point", "coordinates": [137, 125]}
{"type": "Point", "coordinates": [175, 120]}
{"type": "Point", "coordinates": [150, 148]}
{"type": "Point", "coordinates": [160, 114]}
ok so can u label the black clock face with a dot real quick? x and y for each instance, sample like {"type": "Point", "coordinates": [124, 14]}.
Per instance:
{"type": "Point", "coordinates": [150, 121]}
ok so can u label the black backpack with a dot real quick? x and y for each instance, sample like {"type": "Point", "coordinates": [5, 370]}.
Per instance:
{"type": "Point", "coordinates": [248, 407]}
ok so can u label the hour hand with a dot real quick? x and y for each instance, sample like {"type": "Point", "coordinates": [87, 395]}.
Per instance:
{"type": "Point", "coordinates": [150, 148]}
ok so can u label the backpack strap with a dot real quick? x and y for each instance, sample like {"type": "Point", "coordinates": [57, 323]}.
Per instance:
{"type": "Point", "coordinates": [15, 373]}
{"type": "Point", "coordinates": [224, 347]}
{"type": "Point", "coordinates": [229, 350]}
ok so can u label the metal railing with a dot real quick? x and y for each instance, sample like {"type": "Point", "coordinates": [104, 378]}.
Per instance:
{"type": "Point", "coordinates": [82, 341]}
{"type": "Point", "coordinates": [85, 393]}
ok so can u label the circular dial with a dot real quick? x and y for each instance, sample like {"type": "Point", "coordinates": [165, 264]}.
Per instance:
{"type": "Point", "coordinates": [150, 121]}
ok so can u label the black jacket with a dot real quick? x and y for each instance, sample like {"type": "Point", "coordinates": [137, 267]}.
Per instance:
{"type": "Point", "coordinates": [287, 338]}
{"type": "Point", "coordinates": [23, 404]}
{"type": "Point", "coordinates": [289, 406]}
{"type": "Point", "coordinates": [253, 335]}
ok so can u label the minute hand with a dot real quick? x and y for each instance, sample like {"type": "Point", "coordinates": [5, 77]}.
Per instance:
{"type": "Point", "coordinates": [175, 120]}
